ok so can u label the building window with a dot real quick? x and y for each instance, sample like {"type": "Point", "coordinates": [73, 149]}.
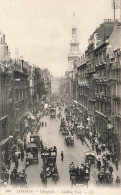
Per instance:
{"type": "Point", "coordinates": [23, 93]}
{"type": "Point", "coordinates": [16, 96]}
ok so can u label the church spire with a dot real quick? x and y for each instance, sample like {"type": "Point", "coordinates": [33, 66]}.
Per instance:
{"type": "Point", "coordinates": [74, 41]}
{"type": "Point", "coordinates": [74, 29]}
{"type": "Point", "coordinates": [73, 18]}
{"type": "Point", "coordinates": [74, 46]}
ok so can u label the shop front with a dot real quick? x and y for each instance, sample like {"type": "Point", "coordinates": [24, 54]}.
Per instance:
{"type": "Point", "coordinates": [101, 122]}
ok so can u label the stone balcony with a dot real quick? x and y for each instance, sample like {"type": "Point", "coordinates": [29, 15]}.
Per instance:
{"type": "Point", "coordinates": [102, 62]}
{"type": "Point", "coordinates": [116, 97]}
{"type": "Point", "coordinates": [102, 95]}
{"type": "Point", "coordinates": [99, 78]}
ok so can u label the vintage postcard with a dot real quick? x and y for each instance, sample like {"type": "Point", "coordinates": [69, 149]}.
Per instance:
{"type": "Point", "coordinates": [60, 97]}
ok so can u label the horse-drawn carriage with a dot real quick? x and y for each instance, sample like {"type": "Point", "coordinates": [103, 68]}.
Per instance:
{"type": "Point", "coordinates": [49, 161]}
{"type": "Point", "coordinates": [68, 117]}
{"type": "Point", "coordinates": [38, 126]}
{"type": "Point", "coordinates": [50, 164]}
{"type": "Point", "coordinates": [31, 153]}
{"type": "Point", "coordinates": [55, 175]}
{"type": "Point", "coordinates": [104, 178]}
{"type": "Point", "coordinates": [66, 110]}
{"type": "Point", "coordinates": [18, 178]}
{"type": "Point", "coordinates": [90, 158]}
{"type": "Point", "coordinates": [62, 126]}
{"type": "Point", "coordinates": [79, 175]}
{"type": "Point", "coordinates": [52, 112]}
{"type": "Point", "coordinates": [47, 151]}
{"type": "Point", "coordinates": [35, 139]}
{"type": "Point", "coordinates": [64, 129]}
{"type": "Point", "coordinates": [76, 124]}
{"type": "Point", "coordinates": [80, 131]}
{"type": "Point", "coordinates": [21, 179]}
{"type": "Point", "coordinates": [69, 139]}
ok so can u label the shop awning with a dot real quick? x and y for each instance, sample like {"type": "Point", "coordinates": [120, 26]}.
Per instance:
{"type": "Point", "coordinates": [31, 115]}
{"type": "Point", "coordinates": [110, 126]}
{"type": "Point", "coordinates": [75, 102]}
{"type": "Point", "coordinates": [4, 117]}
{"type": "Point", "coordinates": [4, 141]}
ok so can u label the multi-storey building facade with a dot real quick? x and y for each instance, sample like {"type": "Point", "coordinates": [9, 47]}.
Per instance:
{"type": "Point", "coordinates": [90, 69]}
{"type": "Point", "coordinates": [83, 88]}
{"type": "Point", "coordinates": [102, 112]}
{"type": "Point", "coordinates": [5, 78]}
{"type": "Point", "coordinates": [114, 84]}
{"type": "Point", "coordinates": [4, 118]}
{"type": "Point", "coordinates": [99, 83]}
{"type": "Point", "coordinates": [46, 78]}
{"type": "Point", "coordinates": [21, 93]}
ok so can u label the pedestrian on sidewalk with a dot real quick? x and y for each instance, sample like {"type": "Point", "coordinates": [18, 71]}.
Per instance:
{"type": "Point", "coordinates": [15, 171]}
{"type": "Point", "coordinates": [98, 164]}
{"type": "Point", "coordinates": [16, 162]}
{"type": "Point", "coordinates": [103, 158]}
{"type": "Point", "coordinates": [3, 168]}
{"type": "Point", "coordinates": [108, 156]}
{"type": "Point", "coordinates": [116, 164]}
{"type": "Point", "coordinates": [110, 149]}
{"type": "Point", "coordinates": [9, 162]}
{"type": "Point", "coordinates": [6, 176]}
{"type": "Point", "coordinates": [103, 147]}
{"type": "Point", "coordinates": [18, 145]}
{"type": "Point", "coordinates": [90, 139]}
{"type": "Point", "coordinates": [22, 155]}
{"type": "Point", "coordinates": [104, 167]}
{"type": "Point", "coordinates": [110, 169]}
{"type": "Point", "coordinates": [11, 177]}
{"type": "Point", "coordinates": [97, 150]}
{"type": "Point", "coordinates": [45, 124]}
{"type": "Point", "coordinates": [99, 178]}
{"type": "Point", "coordinates": [92, 146]}
{"type": "Point", "coordinates": [96, 146]}
{"type": "Point", "coordinates": [25, 144]}
{"type": "Point", "coordinates": [118, 181]}
{"type": "Point", "coordinates": [62, 156]}
{"type": "Point", "coordinates": [42, 123]}
{"type": "Point", "coordinates": [112, 157]}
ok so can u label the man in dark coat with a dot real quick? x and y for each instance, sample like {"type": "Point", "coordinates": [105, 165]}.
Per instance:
{"type": "Point", "coordinates": [98, 164]}
{"type": "Point", "coordinates": [116, 164]}
{"type": "Point", "coordinates": [62, 155]}
{"type": "Point", "coordinates": [118, 181]}
{"type": "Point", "coordinates": [110, 169]}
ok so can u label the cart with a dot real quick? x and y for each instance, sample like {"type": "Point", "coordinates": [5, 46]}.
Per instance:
{"type": "Point", "coordinates": [31, 153]}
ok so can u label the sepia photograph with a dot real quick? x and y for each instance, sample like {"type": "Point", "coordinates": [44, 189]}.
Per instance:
{"type": "Point", "coordinates": [60, 97]}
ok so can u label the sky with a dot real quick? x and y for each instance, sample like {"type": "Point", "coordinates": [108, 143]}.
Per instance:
{"type": "Point", "coordinates": [41, 29]}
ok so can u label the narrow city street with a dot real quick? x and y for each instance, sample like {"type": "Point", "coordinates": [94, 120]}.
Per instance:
{"type": "Point", "coordinates": [50, 137]}
{"type": "Point", "coordinates": [60, 95]}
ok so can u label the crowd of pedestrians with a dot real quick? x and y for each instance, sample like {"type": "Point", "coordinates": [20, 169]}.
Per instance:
{"type": "Point", "coordinates": [106, 161]}
{"type": "Point", "coordinates": [10, 171]}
